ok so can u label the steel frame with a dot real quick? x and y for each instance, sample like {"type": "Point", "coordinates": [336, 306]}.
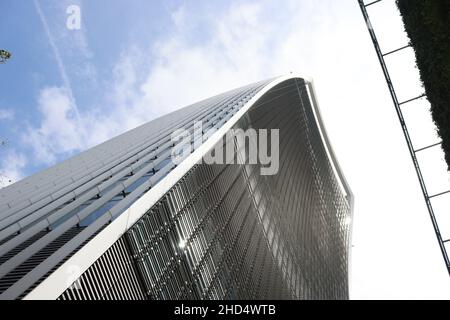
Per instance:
{"type": "Point", "coordinates": [398, 109]}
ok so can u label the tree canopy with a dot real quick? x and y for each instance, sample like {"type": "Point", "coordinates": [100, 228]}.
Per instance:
{"type": "Point", "coordinates": [427, 23]}
{"type": "Point", "coordinates": [4, 55]}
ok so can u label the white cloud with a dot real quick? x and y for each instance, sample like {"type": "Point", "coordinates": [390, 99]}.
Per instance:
{"type": "Point", "coordinates": [179, 17]}
{"type": "Point", "coordinates": [80, 45]}
{"type": "Point", "coordinates": [59, 130]}
{"type": "Point", "coordinates": [229, 56]}
{"type": "Point", "coordinates": [11, 167]}
{"type": "Point", "coordinates": [6, 114]}
{"type": "Point", "coordinates": [140, 92]}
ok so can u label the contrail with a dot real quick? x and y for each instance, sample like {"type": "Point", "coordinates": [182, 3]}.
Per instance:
{"type": "Point", "coordinates": [60, 64]}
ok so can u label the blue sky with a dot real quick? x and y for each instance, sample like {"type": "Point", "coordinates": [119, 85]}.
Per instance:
{"type": "Point", "coordinates": [65, 90]}
{"type": "Point", "coordinates": [80, 87]}
{"type": "Point", "coordinates": [74, 64]}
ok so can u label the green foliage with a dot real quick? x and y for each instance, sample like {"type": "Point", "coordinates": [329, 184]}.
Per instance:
{"type": "Point", "coordinates": [4, 55]}
{"type": "Point", "coordinates": [427, 23]}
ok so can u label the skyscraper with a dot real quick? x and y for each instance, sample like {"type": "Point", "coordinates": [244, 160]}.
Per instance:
{"type": "Point", "coordinates": [123, 220]}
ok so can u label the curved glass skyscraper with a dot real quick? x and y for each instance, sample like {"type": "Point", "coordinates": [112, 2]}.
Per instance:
{"type": "Point", "coordinates": [124, 220]}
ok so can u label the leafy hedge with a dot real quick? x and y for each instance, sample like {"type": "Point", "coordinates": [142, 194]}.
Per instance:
{"type": "Point", "coordinates": [427, 23]}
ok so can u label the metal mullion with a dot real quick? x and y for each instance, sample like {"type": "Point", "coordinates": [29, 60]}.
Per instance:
{"type": "Point", "coordinates": [109, 294]}
{"type": "Point", "coordinates": [118, 264]}
{"type": "Point", "coordinates": [162, 257]}
{"type": "Point", "coordinates": [98, 275]}
{"type": "Point", "coordinates": [86, 288]}
{"type": "Point", "coordinates": [92, 279]}
{"type": "Point", "coordinates": [70, 295]}
{"type": "Point", "coordinates": [196, 251]}
{"type": "Point", "coordinates": [122, 285]}
{"type": "Point", "coordinates": [150, 277]}
{"type": "Point", "coordinates": [165, 254]}
{"type": "Point", "coordinates": [76, 292]}
{"type": "Point", "coordinates": [130, 271]}
{"type": "Point", "coordinates": [171, 280]}
{"type": "Point", "coordinates": [189, 258]}
{"type": "Point", "coordinates": [157, 264]}
{"type": "Point", "coordinates": [112, 273]}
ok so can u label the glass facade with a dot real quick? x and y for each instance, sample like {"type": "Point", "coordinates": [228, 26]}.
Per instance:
{"type": "Point", "coordinates": [224, 231]}
{"type": "Point", "coordinates": [46, 218]}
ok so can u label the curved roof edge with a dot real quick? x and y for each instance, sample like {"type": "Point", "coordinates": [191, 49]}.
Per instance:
{"type": "Point", "coordinates": [338, 170]}
{"type": "Point", "coordinates": [63, 277]}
